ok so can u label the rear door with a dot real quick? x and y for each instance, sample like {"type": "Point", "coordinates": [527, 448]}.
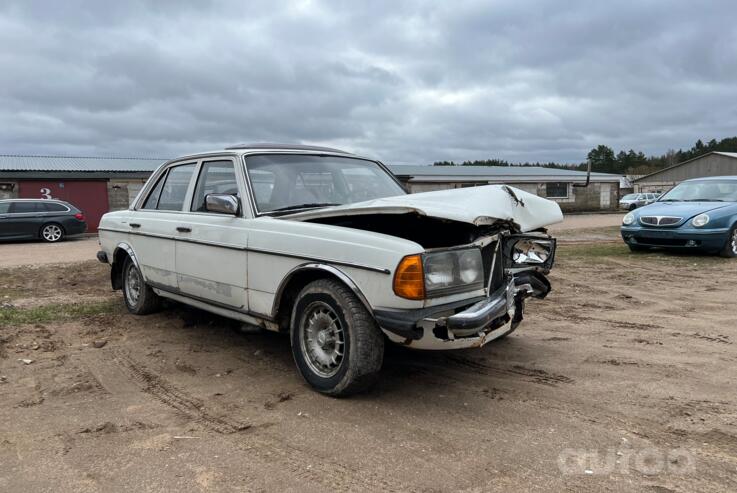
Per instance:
{"type": "Point", "coordinates": [24, 219]}
{"type": "Point", "coordinates": [153, 225]}
{"type": "Point", "coordinates": [211, 255]}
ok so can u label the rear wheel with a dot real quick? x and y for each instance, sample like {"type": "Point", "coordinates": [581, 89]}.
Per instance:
{"type": "Point", "coordinates": [730, 248]}
{"type": "Point", "coordinates": [337, 346]}
{"type": "Point", "coordinates": [140, 299]}
{"type": "Point", "coordinates": [51, 233]}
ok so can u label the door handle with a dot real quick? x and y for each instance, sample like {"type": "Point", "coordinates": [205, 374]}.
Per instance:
{"type": "Point", "coordinates": [135, 225]}
{"type": "Point", "coordinates": [183, 229]}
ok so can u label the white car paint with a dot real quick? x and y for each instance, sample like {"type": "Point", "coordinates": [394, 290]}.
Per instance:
{"type": "Point", "coordinates": [481, 205]}
{"type": "Point", "coordinates": [236, 266]}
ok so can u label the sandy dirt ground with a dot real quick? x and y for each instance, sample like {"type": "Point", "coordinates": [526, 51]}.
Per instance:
{"type": "Point", "coordinates": [40, 253]}
{"type": "Point", "coordinates": [623, 379]}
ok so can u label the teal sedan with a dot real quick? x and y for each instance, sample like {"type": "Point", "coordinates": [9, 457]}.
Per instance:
{"type": "Point", "coordinates": [698, 214]}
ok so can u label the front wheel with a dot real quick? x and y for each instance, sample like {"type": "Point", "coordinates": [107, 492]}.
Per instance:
{"type": "Point", "coordinates": [140, 299]}
{"type": "Point", "coordinates": [730, 248]}
{"type": "Point", "coordinates": [52, 233]}
{"type": "Point", "coordinates": [337, 346]}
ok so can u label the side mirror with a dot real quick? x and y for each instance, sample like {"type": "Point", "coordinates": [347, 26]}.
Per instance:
{"type": "Point", "coordinates": [222, 203]}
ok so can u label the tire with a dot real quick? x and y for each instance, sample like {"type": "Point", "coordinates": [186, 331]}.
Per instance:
{"type": "Point", "coordinates": [730, 247]}
{"type": "Point", "coordinates": [337, 346]}
{"type": "Point", "coordinates": [632, 207]}
{"type": "Point", "coordinates": [139, 298]}
{"type": "Point", "coordinates": [638, 248]}
{"type": "Point", "coordinates": [51, 233]}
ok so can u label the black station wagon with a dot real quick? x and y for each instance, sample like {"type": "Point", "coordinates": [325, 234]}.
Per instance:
{"type": "Point", "coordinates": [48, 220]}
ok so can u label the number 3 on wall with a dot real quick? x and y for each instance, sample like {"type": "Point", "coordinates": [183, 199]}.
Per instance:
{"type": "Point", "coordinates": [46, 193]}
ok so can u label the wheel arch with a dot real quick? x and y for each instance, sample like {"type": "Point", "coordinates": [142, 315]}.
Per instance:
{"type": "Point", "coordinates": [122, 250]}
{"type": "Point", "coordinates": [298, 278]}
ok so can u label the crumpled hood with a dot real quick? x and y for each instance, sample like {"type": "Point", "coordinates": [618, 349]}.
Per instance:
{"type": "Point", "coordinates": [475, 205]}
{"type": "Point", "coordinates": [685, 210]}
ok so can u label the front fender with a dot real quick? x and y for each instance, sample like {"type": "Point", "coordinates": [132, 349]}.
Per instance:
{"type": "Point", "coordinates": [316, 268]}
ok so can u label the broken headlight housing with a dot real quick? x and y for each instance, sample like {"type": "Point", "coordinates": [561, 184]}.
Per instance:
{"type": "Point", "coordinates": [530, 251]}
{"type": "Point", "coordinates": [453, 271]}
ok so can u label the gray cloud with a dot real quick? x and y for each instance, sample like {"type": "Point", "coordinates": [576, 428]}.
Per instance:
{"type": "Point", "coordinates": [409, 82]}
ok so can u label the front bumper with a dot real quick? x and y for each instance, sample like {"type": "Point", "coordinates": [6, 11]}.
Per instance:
{"type": "Point", "coordinates": [680, 238]}
{"type": "Point", "coordinates": [463, 325]}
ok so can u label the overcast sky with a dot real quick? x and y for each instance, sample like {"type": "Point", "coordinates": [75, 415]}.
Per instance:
{"type": "Point", "coordinates": [408, 82]}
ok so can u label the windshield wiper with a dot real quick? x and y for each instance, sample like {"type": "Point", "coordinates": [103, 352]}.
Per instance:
{"type": "Point", "coordinates": [704, 200]}
{"type": "Point", "coordinates": [303, 206]}
{"type": "Point", "coordinates": [669, 200]}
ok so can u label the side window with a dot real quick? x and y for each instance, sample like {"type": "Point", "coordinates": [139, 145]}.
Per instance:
{"type": "Point", "coordinates": [23, 207]}
{"type": "Point", "coordinates": [215, 177]}
{"type": "Point", "coordinates": [53, 207]}
{"type": "Point", "coordinates": [556, 190]}
{"type": "Point", "coordinates": [4, 207]}
{"type": "Point", "coordinates": [153, 198]}
{"type": "Point", "coordinates": [171, 189]}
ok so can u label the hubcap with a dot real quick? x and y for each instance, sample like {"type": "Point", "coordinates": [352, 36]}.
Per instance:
{"type": "Point", "coordinates": [734, 242]}
{"type": "Point", "coordinates": [51, 232]}
{"type": "Point", "coordinates": [132, 285]}
{"type": "Point", "coordinates": [322, 339]}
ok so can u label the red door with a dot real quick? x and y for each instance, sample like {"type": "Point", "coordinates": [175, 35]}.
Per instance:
{"type": "Point", "coordinates": [88, 196]}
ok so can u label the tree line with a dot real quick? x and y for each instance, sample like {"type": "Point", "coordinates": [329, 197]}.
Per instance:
{"type": "Point", "coordinates": [604, 160]}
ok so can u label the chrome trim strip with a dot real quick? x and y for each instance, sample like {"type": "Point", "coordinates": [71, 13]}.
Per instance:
{"type": "Point", "coordinates": [254, 250]}
{"type": "Point", "coordinates": [179, 292]}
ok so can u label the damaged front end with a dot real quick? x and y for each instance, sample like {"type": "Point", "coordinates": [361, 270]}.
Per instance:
{"type": "Point", "coordinates": [515, 268]}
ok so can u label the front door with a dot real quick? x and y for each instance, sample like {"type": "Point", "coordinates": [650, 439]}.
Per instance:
{"type": "Point", "coordinates": [211, 255]}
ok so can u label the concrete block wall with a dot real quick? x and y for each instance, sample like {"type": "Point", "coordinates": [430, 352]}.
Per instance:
{"type": "Point", "coordinates": [121, 193]}
{"type": "Point", "coordinates": [9, 194]}
{"type": "Point", "coordinates": [579, 199]}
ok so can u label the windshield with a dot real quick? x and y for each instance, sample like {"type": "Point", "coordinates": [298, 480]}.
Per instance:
{"type": "Point", "coordinates": [630, 196]}
{"type": "Point", "coordinates": [290, 182]}
{"type": "Point", "coordinates": [707, 191]}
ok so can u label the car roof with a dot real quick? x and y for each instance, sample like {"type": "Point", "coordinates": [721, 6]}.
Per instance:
{"type": "Point", "coordinates": [714, 178]}
{"type": "Point", "coordinates": [37, 200]}
{"type": "Point", "coordinates": [242, 149]}
{"type": "Point", "coordinates": [284, 147]}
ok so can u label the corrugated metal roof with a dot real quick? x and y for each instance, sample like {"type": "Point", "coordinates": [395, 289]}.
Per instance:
{"type": "Point", "coordinates": [84, 164]}
{"type": "Point", "coordinates": [486, 173]}
{"type": "Point", "coordinates": [14, 162]}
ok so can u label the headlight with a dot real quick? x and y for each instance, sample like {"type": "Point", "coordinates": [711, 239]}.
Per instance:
{"type": "Point", "coordinates": [453, 271]}
{"type": "Point", "coordinates": [531, 251]}
{"type": "Point", "coordinates": [628, 219]}
{"type": "Point", "coordinates": [700, 220]}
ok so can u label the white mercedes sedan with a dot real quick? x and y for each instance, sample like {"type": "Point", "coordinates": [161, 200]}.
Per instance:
{"type": "Point", "coordinates": [328, 247]}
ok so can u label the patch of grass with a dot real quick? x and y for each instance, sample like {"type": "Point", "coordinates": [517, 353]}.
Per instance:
{"type": "Point", "coordinates": [591, 250]}
{"type": "Point", "coordinates": [56, 312]}
{"type": "Point", "coordinates": [584, 251]}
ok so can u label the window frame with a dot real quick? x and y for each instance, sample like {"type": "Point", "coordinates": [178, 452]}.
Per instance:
{"type": "Point", "coordinates": [249, 187]}
{"type": "Point", "coordinates": [198, 174]}
{"type": "Point", "coordinates": [163, 174]}
{"type": "Point", "coordinates": [197, 160]}
{"type": "Point", "coordinates": [566, 184]}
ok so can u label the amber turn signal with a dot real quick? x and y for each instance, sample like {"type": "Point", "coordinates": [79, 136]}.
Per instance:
{"type": "Point", "coordinates": [409, 279]}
